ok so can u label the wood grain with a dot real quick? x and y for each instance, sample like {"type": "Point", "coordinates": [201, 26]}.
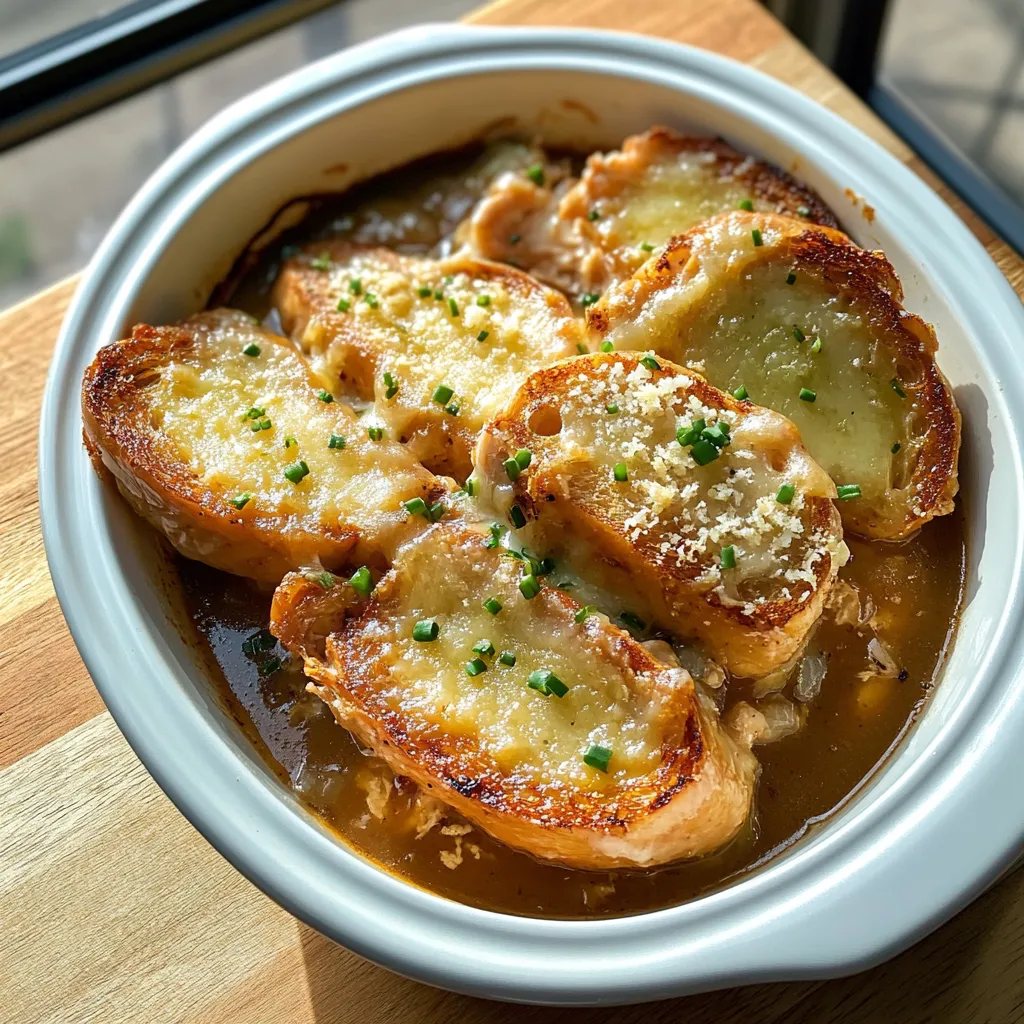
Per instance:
{"type": "Point", "coordinates": [113, 908]}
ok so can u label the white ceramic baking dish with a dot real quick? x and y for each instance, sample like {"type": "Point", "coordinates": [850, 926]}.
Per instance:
{"type": "Point", "coordinates": [939, 823]}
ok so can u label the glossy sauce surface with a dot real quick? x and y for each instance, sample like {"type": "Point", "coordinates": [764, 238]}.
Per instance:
{"type": "Point", "coordinates": [855, 719]}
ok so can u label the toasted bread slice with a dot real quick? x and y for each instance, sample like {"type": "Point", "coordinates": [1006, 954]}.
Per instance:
{"type": "Point", "coordinates": [198, 436]}
{"type": "Point", "coordinates": [470, 730]}
{"type": "Point", "coordinates": [473, 330]}
{"type": "Point", "coordinates": [696, 538]}
{"type": "Point", "coordinates": [584, 236]}
{"type": "Point", "coordinates": [807, 309]}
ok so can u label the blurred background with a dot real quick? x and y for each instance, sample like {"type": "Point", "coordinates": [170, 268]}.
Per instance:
{"type": "Point", "coordinates": [946, 74]}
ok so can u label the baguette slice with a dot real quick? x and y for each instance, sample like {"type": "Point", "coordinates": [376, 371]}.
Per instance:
{"type": "Point", "coordinates": [583, 236]}
{"type": "Point", "coordinates": [174, 413]}
{"type": "Point", "coordinates": [472, 327]}
{"type": "Point", "coordinates": [807, 309]}
{"type": "Point", "coordinates": [664, 538]}
{"type": "Point", "coordinates": [509, 757]}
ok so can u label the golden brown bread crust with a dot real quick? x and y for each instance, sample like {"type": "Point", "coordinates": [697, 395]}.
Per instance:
{"type": "Point", "coordinates": [925, 473]}
{"type": "Point", "coordinates": [481, 352]}
{"type": "Point", "coordinates": [155, 478]}
{"type": "Point", "coordinates": [570, 511]}
{"type": "Point", "coordinates": [693, 801]}
{"type": "Point", "coordinates": [573, 237]}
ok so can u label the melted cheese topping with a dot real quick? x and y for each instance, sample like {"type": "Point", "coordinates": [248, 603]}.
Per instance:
{"type": "Point", "coordinates": [661, 198]}
{"type": "Point", "coordinates": [434, 340]}
{"type": "Point", "coordinates": [202, 404]}
{"type": "Point", "coordinates": [679, 514]}
{"type": "Point", "coordinates": [745, 328]}
{"type": "Point", "coordinates": [526, 734]}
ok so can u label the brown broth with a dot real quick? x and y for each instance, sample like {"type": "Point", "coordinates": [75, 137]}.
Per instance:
{"type": "Point", "coordinates": [850, 727]}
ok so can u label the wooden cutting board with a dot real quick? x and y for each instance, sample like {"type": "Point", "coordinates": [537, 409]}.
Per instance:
{"type": "Point", "coordinates": [113, 908]}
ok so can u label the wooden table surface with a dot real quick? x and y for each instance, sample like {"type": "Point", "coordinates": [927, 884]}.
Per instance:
{"type": "Point", "coordinates": [113, 908]}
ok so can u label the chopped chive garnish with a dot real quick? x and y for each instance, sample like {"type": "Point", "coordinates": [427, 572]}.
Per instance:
{"type": "Point", "coordinates": [785, 493]}
{"type": "Point", "coordinates": [507, 658]}
{"type": "Point", "coordinates": [704, 452]}
{"type": "Point", "coordinates": [270, 666]}
{"type": "Point", "coordinates": [241, 500]}
{"type": "Point", "coordinates": [425, 631]}
{"type": "Point", "coordinates": [898, 387]}
{"type": "Point", "coordinates": [555, 685]}
{"type": "Point", "coordinates": [537, 681]}
{"type": "Point", "coordinates": [493, 605]}
{"type": "Point", "coordinates": [255, 413]}
{"type": "Point", "coordinates": [325, 579]}
{"type": "Point", "coordinates": [391, 385]}
{"type": "Point", "coordinates": [375, 433]}
{"type": "Point", "coordinates": [494, 540]}
{"type": "Point", "coordinates": [620, 472]}
{"type": "Point", "coordinates": [415, 506]}
{"type": "Point", "coordinates": [798, 334]}
{"type": "Point", "coordinates": [512, 468]}
{"type": "Point", "coordinates": [728, 557]}
{"type": "Point", "coordinates": [535, 172]}
{"type": "Point", "coordinates": [581, 348]}
{"type": "Point", "coordinates": [791, 278]}
{"type": "Point", "coordinates": [584, 613]}
{"type": "Point", "coordinates": [514, 239]}
{"type": "Point", "coordinates": [362, 581]}
{"type": "Point", "coordinates": [755, 234]}
{"type": "Point", "coordinates": [371, 300]}
{"type": "Point", "coordinates": [589, 298]}
{"type": "Point", "coordinates": [718, 435]}
{"type": "Point", "coordinates": [252, 349]}
{"type": "Point", "coordinates": [611, 408]}
{"type": "Point", "coordinates": [453, 307]}
{"type": "Point", "coordinates": [259, 642]}
{"type": "Point", "coordinates": [847, 491]}
{"type": "Point", "coordinates": [472, 487]}
{"type": "Point", "coordinates": [337, 442]}
{"type": "Point", "coordinates": [483, 335]}
{"type": "Point", "coordinates": [483, 647]}
{"type": "Point", "coordinates": [297, 471]}
{"type": "Point", "coordinates": [741, 393]}
{"type": "Point", "coordinates": [442, 394]}
{"type": "Point", "coordinates": [449, 278]}
{"type": "Point", "coordinates": [523, 457]}
{"type": "Point", "coordinates": [355, 286]}
{"type": "Point", "coordinates": [475, 667]}
{"type": "Point", "coordinates": [597, 757]}
{"type": "Point", "coordinates": [804, 211]}
{"type": "Point", "coordinates": [529, 587]}
{"type": "Point", "coordinates": [290, 442]}
{"type": "Point", "coordinates": [607, 346]}
{"type": "Point", "coordinates": [438, 294]}
{"type": "Point", "coordinates": [647, 247]}
{"type": "Point", "coordinates": [325, 396]}
{"type": "Point", "coordinates": [896, 447]}
{"type": "Point", "coordinates": [816, 345]}
{"type": "Point", "coordinates": [435, 512]}
{"type": "Point", "coordinates": [483, 300]}
{"type": "Point", "coordinates": [424, 291]}
{"type": "Point", "coordinates": [343, 305]}
{"type": "Point", "coordinates": [518, 519]}
{"type": "Point", "coordinates": [807, 395]}
{"type": "Point", "coordinates": [746, 204]}
{"type": "Point", "coordinates": [650, 362]}
{"type": "Point", "coordinates": [688, 435]}
{"type": "Point", "coordinates": [632, 621]}
{"type": "Point", "coordinates": [321, 262]}
{"type": "Point", "coordinates": [595, 214]}
{"type": "Point", "coordinates": [452, 408]}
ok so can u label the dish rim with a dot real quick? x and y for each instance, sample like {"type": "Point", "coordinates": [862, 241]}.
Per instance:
{"type": "Point", "coordinates": [776, 924]}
